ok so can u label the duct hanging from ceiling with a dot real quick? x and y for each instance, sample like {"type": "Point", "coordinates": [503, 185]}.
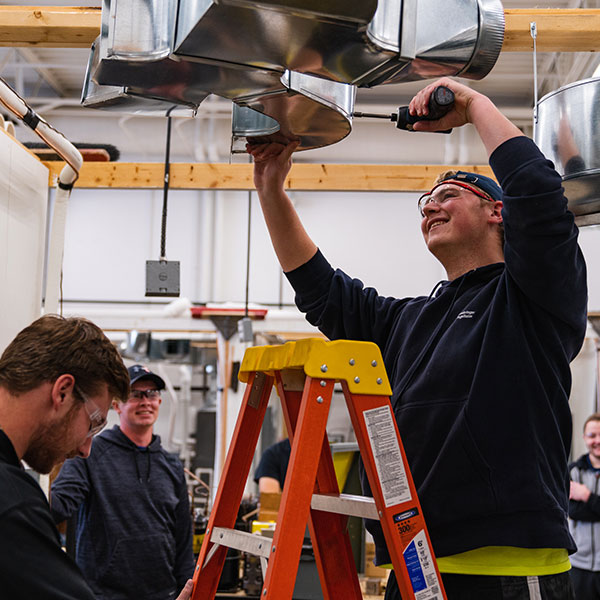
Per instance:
{"type": "Point", "coordinates": [568, 133]}
{"type": "Point", "coordinates": [291, 67]}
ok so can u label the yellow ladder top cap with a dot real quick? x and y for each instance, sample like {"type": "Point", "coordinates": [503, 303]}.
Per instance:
{"type": "Point", "coordinates": [360, 364]}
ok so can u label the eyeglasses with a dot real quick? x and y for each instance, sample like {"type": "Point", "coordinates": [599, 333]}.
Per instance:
{"type": "Point", "coordinates": [97, 419]}
{"type": "Point", "coordinates": [445, 191]}
{"type": "Point", "coordinates": [139, 394]}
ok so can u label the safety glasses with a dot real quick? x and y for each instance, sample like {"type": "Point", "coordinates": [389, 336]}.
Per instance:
{"type": "Point", "coordinates": [445, 191]}
{"type": "Point", "coordinates": [97, 419]}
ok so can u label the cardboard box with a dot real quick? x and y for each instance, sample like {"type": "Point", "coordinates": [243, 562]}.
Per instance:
{"type": "Point", "coordinates": [370, 569]}
{"type": "Point", "coordinates": [268, 506]}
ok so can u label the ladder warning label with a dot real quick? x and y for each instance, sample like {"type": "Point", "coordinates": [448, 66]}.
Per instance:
{"type": "Point", "coordinates": [387, 455]}
{"type": "Point", "coordinates": [421, 569]}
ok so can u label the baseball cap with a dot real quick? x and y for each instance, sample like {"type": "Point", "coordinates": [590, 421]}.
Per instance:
{"type": "Point", "coordinates": [486, 184]}
{"type": "Point", "coordinates": [137, 372]}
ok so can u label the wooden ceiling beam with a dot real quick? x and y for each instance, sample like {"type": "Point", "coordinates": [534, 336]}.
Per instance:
{"type": "Point", "coordinates": [559, 29]}
{"type": "Point", "coordinates": [49, 26]}
{"type": "Point", "coordinates": [223, 176]}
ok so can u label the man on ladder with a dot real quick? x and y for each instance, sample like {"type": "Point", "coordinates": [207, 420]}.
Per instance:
{"type": "Point", "coordinates": [480, 368]}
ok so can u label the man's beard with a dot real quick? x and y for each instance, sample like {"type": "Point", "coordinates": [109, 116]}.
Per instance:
{"type": "Point", "coordinates": [50, 444]}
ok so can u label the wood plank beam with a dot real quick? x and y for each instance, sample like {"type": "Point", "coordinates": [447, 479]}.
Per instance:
{"type": "Point", "coordinates": [223, 176]}
{"type": "Point", "coordinates": [559, 29]}
{"type": "Point", "coordinates": [49, 26]}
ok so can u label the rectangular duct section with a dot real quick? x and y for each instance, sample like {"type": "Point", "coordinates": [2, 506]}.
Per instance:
{"type": "Point", "coordinates": [295, 61]}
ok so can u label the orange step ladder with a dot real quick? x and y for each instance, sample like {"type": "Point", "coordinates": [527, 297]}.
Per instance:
{"type": "Point", "coordinates": [304, 373]}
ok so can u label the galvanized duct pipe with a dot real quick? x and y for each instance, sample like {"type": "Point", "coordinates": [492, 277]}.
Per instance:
{"type": "Point", "coordinates": [568, 133]}
{"type": "Point", "coordinates": [294, 61]}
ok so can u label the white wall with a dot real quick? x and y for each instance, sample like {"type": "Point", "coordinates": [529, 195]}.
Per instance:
{"type": "Point", "coordinates": [584, 395]}
{"type": "Point", "coordinates": [589, 240]}
{"type": "Point", "coordinates": [373, 236]}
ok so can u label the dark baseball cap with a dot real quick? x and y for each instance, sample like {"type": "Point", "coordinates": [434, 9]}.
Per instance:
{"type": "Point", "coordinates": [137, 372]}
{"type": "Point", "coordinates": [485, 184]}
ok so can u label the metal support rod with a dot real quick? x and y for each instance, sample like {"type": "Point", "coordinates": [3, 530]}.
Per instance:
{"type": "Point", "coordinates": [163, 226]}
{"type": "Point", "coordinates": [533, 31]}
{"type": "Point", "coordinates": [248, 254]}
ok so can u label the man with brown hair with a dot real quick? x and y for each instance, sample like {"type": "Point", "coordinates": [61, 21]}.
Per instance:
{"type": "Point", "coordinates": [58, 378]}
{"type": "Point", "coordinates": [479, 368]}
{"type": "Point", "coordinates": [584, 513]}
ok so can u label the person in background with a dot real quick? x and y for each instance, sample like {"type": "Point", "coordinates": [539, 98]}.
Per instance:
{"type": "Point", "coordinates": [272, 468]}
{"type": "Point", "coordinates": [584, 513]}
{"type": "Point", "coordinates": [57, 380]}
{"type": "Point", "coordinates": [134, 528]}
{"type": "Point", "coordinates": [479, 368]}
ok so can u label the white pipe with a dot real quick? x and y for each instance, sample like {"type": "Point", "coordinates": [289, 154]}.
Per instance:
{"type": "Point", "coordinates": [56, 140]}
{"type": "Point", "coordinates": [186, 399]}
{"type": "Point", "coordinates": [171, 441]}
{"type": "Point", "coordinates": [56, 245]}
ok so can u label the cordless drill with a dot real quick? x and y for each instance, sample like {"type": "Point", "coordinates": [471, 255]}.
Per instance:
{"type": "Point", "coordinates": [441, 102]}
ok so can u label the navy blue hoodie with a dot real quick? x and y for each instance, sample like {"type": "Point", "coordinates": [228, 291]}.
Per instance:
{"type": "Point", "coordinates": [480, 369]}
{"type": "Point", "coordinates": [134, 532]}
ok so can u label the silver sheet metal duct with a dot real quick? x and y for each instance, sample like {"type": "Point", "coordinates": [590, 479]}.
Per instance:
{"type": "Point", "coordinates": [363, 43]}
{"type": "Point", "coordinates": [295, 62]}
{"type": "Point", "coordinates": [568, 133]}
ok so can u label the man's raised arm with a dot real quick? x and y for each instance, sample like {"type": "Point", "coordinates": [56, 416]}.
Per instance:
{"type": "Point", "coordinates": [272, 163]}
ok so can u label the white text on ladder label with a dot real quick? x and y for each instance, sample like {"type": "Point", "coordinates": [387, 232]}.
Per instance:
{"type": "Point", "coordinates": [386, 452]}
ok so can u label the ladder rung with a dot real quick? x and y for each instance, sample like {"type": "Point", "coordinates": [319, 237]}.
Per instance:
{"type": "Point", "coordinates": [241, 540]}
{"type": "Point", "coordinates": [346, 504]}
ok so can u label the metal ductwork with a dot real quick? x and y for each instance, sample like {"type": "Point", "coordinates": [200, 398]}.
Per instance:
{"type": "Point", "coordinates": [568, 133]}
{"type": "Point", "coordinates": [296, 62]}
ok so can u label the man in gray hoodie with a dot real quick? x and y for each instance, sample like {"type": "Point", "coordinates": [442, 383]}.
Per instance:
{"type": "Point", "coordinates": [134, 530]}
{"type": "Point", "coordinates": [584, 514]}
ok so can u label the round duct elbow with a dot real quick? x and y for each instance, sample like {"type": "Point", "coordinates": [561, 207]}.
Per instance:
{"type": "Point", "coordinates": [568, 133]}
{"type": "Point", "coordinates": [489, 40]}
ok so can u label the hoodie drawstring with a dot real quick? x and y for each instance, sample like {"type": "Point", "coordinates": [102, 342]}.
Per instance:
{"type": "Point", "coordinates": [146, 451]}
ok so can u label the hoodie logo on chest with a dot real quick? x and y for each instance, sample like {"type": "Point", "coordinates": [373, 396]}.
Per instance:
{"type": "Point", "coordinates": [466, 314]}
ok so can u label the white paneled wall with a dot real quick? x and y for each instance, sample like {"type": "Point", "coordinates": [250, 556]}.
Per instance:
{"type": "Point", "coordinates": [23, 208]}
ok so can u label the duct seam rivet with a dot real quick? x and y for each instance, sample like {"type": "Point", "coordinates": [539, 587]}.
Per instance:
{"type": "Point", "coordinates": [373, 363]}
{"type": "Point", "coordinates": [324, 368]}
{"type": "Point", "coordinates": [357, 379]}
